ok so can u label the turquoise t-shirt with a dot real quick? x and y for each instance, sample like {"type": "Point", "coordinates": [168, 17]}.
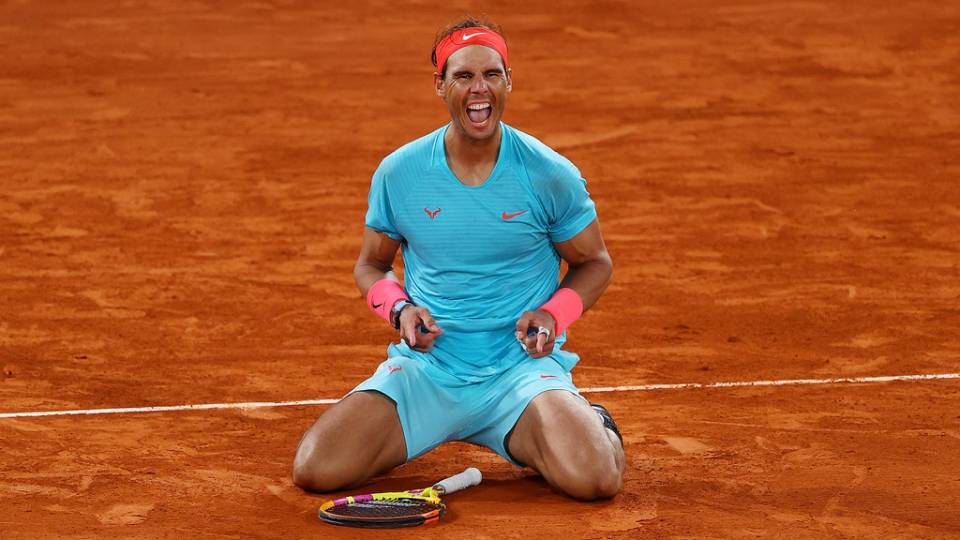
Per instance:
{"type": "Point", "coordinates": [479, 256]}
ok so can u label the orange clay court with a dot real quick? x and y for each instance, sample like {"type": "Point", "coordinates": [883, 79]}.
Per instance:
{"type": "Point", "coordinates": [182, 190]}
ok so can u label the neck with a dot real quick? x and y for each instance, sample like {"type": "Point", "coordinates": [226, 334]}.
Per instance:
{"type": "Point", "coordinates": [471, 160]}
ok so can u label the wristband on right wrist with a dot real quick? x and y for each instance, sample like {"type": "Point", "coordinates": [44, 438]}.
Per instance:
{"type": "Point", "coordinates": [566, 306]}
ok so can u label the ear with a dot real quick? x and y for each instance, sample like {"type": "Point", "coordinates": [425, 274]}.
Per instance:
{"type": "Point", "coordinates": [439, 86]}
{"type": "Point", "coordinates": [509, 73]}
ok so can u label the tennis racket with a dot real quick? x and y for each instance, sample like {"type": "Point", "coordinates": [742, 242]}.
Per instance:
{"type": "Point", "coordinates": [396, 508]}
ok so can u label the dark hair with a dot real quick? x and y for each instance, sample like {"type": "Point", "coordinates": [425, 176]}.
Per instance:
{"type": "Point", "coordinates": [468, 21]}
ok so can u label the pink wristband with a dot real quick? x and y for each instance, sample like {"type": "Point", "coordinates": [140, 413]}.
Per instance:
{"type": "Point", "coordinates": [566, 307]}
{"type": "Point", "coordinates": [382, 295]}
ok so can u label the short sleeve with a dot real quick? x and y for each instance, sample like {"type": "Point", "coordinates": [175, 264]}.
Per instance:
{"type": "Point", "coordinates": [380, 215]}
{"type": "Point", "coordinates": [568, 204]}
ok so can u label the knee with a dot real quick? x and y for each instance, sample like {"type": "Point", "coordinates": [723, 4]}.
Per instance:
{"type": "Point", "coordinates": [608, 484]}
{"type": "Point", "coordinates": [313, 476]}
{"type": "Point", "coordinates": [591, 483]}
{"type": "Point", "coordinates": [589, 474]}
{"type": "Point", "coordinates": [312, 472]}
{"type": "Point", "coordinates": [308, 477]}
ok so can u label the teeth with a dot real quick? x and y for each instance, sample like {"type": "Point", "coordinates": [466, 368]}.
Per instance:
{"type": "Point", "coordinates": [479, 106]}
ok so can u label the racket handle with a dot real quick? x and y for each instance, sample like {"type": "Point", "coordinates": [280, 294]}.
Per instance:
{"type": "Point", "coordinates": [468, 478]}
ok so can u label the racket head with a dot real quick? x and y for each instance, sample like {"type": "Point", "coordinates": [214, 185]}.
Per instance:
{"type": "Point", "coordinates": [384, 510]}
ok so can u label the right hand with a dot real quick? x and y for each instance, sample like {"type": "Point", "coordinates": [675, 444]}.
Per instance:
{"type": "Point", "coordinates": [413, 319]}
{"type": "Point", "coordinates": [537, 344]}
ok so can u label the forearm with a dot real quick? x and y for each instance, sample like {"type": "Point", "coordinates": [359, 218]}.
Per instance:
{"type": "Point", "coordinates": [589, 279]}
{"type": "Point", "coordinates": [366, 274]}
{"type": "Point", "coordinates": [382, 290]}
{"type": "Point", "coordinates": [375, 261]}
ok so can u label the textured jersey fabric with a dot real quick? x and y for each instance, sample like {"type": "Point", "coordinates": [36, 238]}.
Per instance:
{"type": "Point", "coordinates": [479, 256]}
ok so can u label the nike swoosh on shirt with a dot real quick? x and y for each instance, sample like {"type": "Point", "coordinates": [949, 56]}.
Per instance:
{"type": "Point", "coordinates": [466, 37]}
{"type": "Point", "coordinates": [512, 215]}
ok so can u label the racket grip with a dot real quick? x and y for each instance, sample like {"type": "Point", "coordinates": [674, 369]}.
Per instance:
{"type": "Point", "coordinates": [468, 478]}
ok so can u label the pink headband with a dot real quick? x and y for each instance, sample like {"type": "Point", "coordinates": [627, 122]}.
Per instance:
{"type": "Point", "coordinates": [464, 37]}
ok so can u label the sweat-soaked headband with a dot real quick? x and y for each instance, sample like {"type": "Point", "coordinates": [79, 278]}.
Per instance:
{"type": "Point", "coordinates": [475, 35]}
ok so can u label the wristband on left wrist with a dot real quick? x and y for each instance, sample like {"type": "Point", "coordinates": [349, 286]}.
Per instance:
{"type": "Point", "coordinates": [565, 306]}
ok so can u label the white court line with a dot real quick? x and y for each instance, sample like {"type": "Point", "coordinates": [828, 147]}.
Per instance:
{"type": "Point", "coordinates": [600, 389]}
{"type": "Point", "coordinates": [168, 408]}
{"type": "Point", "coordinates": [782, 382]}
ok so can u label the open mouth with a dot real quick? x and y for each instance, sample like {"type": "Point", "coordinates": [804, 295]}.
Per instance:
{"type": "Point", "coordinates": [478, 113]}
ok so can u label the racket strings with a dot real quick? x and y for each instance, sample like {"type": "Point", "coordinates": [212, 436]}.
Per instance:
{"type": "Point", "coordinates": [395, 508]}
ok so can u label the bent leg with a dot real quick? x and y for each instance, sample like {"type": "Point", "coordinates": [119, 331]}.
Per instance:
{"type": "Point", "coordinates": [564, 439]}
{"type": "Point", "coordinates": [355, 440]}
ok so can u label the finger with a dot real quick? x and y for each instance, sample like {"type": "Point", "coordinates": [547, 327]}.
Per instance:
{"type": "Point", "coordinates": [522, 335]}
{"type": "Point", "coordinates": [425, 343]}
{"type": "Point", "coordinates": [530, 343]}
{"type": "Point", "coordinates": [537, 354]}
{"type": "Point", "coordinates": [524, 322]}
{"type": "Point", "coordinates": [410, 333]}
{"type": "Point", "coordinates": [430, 323]}
{"type": "Point", "coordinates": [541, 339]}
{"type": "Point", "coordinates": [527, 327]}
{"type": "Point", "coordinates": [425, 340]}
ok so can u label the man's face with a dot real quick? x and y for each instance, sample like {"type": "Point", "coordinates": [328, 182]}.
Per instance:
{"type": "Point", "coordinates": [475, 89]}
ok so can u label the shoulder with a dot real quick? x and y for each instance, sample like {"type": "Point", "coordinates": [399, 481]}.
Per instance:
{"type": "Point", "coordinates": [537, 157]}
{"type": "Point", "coordinates": [415, 154]}
{"type": "Point", "coordinates": [543, 164]}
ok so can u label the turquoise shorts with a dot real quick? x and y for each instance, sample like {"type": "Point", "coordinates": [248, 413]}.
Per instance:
{"type": "Point", "coordinates": [435, 407]}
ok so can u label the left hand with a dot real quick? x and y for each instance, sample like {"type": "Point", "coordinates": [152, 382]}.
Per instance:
{"type": "Point", "coordinates": [532, 332]}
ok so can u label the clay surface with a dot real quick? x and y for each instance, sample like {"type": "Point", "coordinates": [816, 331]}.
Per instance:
{"type": "Point", "coordinates": [182, 189]}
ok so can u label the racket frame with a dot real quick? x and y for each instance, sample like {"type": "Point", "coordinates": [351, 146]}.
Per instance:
{"type": "Point", "coordinates": [428, 495]}
{"type": "Point", "coordinates": [431, 495]}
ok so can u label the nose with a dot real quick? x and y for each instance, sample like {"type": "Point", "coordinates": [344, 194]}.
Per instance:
{"type": "Point", "coordinates": [479, 86]}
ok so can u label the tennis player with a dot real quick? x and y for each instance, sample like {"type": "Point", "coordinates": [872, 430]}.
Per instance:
{"type": "Point", "coordinates": [483, 214]}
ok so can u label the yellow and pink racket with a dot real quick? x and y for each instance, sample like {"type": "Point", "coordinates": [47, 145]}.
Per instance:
{"type": "Point", "coordinates": [397, 508]}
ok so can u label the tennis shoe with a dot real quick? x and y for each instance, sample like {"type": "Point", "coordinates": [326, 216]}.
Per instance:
{"type": "Point", "coordinates": [607, 420]}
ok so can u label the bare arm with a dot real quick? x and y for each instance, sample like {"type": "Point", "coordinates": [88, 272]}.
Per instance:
{"type": "Point", "coordinates": [590, 270]}
{"type": "Point", "coordinates": [375, 262]}
{"type": "Point", "coordinates": [590, 265]}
